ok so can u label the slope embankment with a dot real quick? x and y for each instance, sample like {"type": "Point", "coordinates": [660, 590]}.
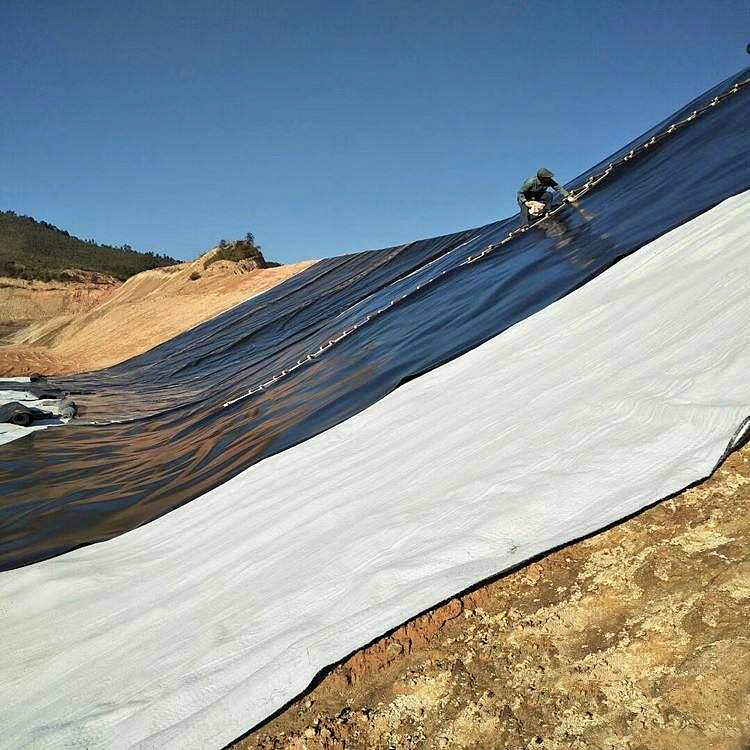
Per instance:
{"type": "Point", "coordinates": [59, 329]}
{"type": "Point", "coordinates": [318, 465]}
{"type": "Point", "coordinates": [24, 302]}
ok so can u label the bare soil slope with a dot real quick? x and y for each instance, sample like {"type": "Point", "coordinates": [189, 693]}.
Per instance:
{"type": "Point", "coordinates": [146, 310]}
{"type": "Point", "coordinates": [23, 302]}
{"type": "Point", "coordinates": [634, 639]}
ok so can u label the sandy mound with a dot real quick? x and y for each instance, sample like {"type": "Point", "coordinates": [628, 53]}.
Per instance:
{"type": "Point", "coordinates": [633, 639]}
{"type": "Point", "coordinates": [23, 303]}
{"type": "Point", "coordinates": [146, 310]}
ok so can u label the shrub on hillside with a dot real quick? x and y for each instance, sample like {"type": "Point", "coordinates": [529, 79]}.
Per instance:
{"type": "Point", "coordinates": [237, 251]}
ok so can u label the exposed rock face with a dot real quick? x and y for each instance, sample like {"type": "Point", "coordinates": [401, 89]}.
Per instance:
{"type": "Point", "coordinates": [634, 639]}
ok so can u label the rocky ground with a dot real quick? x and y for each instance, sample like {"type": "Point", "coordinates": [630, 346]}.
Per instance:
{"type": "Point", "coordinates": [634, 639]}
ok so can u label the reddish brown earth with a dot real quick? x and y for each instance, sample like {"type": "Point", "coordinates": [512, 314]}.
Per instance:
{"type": "Point", "coordinates": [634, 639]}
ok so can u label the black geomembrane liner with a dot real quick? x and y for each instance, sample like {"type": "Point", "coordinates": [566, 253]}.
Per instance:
{"type": "Point", "coordinates": [155, 433]}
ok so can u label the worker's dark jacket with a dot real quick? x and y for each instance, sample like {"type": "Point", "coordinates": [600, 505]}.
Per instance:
{"type": "Point", "coordinates": [535, 190]}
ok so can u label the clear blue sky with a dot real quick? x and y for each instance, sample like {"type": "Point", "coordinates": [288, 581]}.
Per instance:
{"type": "Point", "coordinates": [329, 127]}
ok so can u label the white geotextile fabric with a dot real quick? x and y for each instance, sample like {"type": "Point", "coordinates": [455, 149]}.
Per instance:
{"type": "Point", "coordinates": [10, 432]}
{"type": "Point", "coordinates": [186, 632]}
{"type": "Point", "coordinates": [6, 396]}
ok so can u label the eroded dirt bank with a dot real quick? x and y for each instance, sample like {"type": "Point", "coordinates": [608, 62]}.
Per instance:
{"type": "Point", "coordinates": [635, 639]}
{"type": "Point", "coordinates": [146, 310]}
{"type": "Point", "coordinates": [24, 303]}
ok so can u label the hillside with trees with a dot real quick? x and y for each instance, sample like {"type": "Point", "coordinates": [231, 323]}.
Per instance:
{"type": "Point", "coordinates": [31, 249]}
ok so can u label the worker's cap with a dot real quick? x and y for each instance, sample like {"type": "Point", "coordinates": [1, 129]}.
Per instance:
{"type": "Point", "coordinates": [544, 175]}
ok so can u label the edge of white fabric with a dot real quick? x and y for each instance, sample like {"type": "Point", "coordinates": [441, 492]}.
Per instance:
{"type": "Point", "coordinates": [9, 432]}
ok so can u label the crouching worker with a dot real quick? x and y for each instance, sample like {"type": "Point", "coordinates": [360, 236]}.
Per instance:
{"type": "Point", "coordinates": [535, 196]}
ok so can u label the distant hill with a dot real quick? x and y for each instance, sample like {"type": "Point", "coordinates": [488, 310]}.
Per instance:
{"type": "Point", "coordinates": [31, 249]}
